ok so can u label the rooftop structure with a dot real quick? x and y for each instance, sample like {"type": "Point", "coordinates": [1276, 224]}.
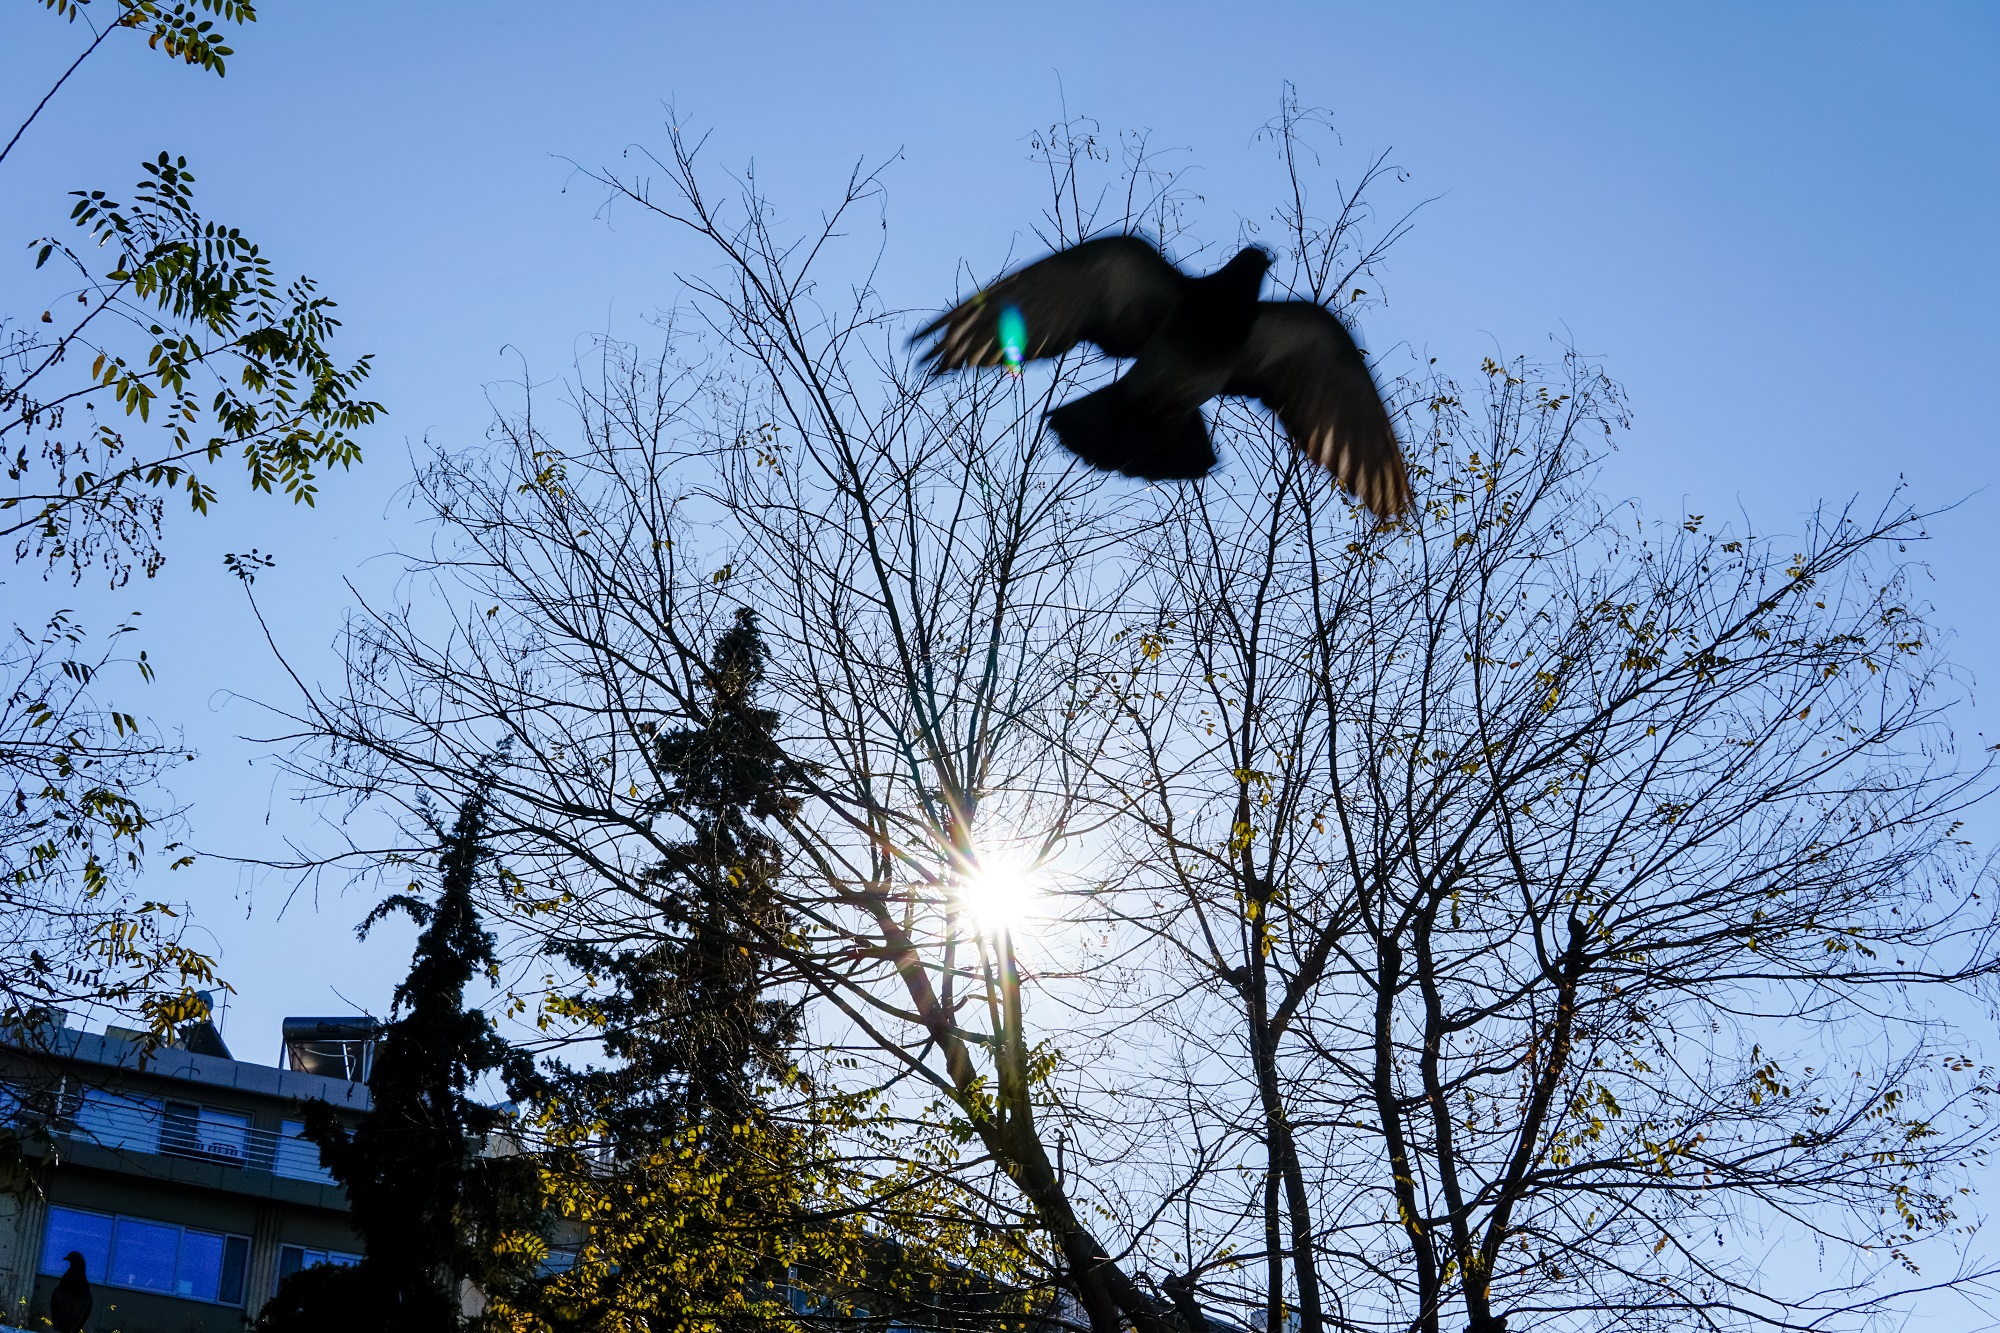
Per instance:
{"type": "Point", "coordinates": [342, 1048]}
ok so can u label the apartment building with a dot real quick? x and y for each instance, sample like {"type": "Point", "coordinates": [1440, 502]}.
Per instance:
{"type": "Point", "coordinates": [176, 1171]}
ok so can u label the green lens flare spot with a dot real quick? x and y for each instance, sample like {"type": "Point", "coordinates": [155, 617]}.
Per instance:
{"type": "Point", "coordinates": [1013, 339]}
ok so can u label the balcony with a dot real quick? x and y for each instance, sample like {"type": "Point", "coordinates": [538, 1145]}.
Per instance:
{"type": "Point", "coordinates": [169, 1129]}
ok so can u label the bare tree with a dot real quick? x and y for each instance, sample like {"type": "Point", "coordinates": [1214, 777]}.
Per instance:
{"type": "Point", "coordinates": [1466, 916]}
{"type": "Point", "coordinates": [1584, 891]}
{"type": "Point", "coordinates": [933, 578]}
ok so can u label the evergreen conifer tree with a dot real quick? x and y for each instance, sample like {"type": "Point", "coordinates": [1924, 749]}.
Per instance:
{"type": "Point", "coordinates": [686, 1017]}
{"type": "Point", "coordinates": [698, 1216]}
{"type": "Point", "coordinates": [431, 1207]}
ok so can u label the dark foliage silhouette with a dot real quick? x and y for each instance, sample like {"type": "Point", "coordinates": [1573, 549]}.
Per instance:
{"type": "Point", "coordinates": [703, 1192]}
{"type": "Point", "coordinates": [686, 1017]}
{"type": "Point", "coordinates": [429, 1203]}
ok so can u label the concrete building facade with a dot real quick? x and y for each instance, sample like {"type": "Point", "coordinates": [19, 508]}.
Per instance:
{"type": "Point", "coordinates": [177, 1171]}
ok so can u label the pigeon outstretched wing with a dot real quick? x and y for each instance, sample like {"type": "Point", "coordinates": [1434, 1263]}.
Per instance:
{"type": "Point", "coordinates": [1114, 291]}
{"type": "Point", "coordinates": [1301, 362]}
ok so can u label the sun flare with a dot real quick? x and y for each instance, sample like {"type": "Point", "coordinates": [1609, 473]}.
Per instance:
{"type": "Point", "coordinates": [998, 895]}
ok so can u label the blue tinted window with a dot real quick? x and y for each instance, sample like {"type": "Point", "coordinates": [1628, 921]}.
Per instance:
{"type": "Point", "coordinates": [89, 1234]}
{"type": "Point", "coordinates": [224, 1133]}
{"type": "Point", "coordinates": [152, 1256]}
{"type": "Point", "coordinates": [235, 1259]}
{"type": "Point", "coordinates": [203, 1131]}
{"type": "Point", "coordinates": [290, 1260]}
{"type": "Point", "coordinates": [112, 1121]}
{"type": "Point", "coordinates": [200, 1272]}
{"type": "Point", "coordinates": [144, 1255]}
{"type": "Point", "coordinates": [293, 1156]}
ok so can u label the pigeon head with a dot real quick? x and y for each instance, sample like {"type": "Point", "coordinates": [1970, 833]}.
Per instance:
{"type": "Point", "coordinates": [73, 1259]}
{"type": "Point", "coordinates": [1247, 269]}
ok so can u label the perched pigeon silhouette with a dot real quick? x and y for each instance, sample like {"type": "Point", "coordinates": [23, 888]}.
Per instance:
{"type": "Point", "coordinates": [70, 1302]}
{"type": "Point", "coordinates": [1190, 339]}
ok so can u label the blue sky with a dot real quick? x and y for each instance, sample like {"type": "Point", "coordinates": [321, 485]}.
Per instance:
{"type": "Point", "coordinates": [1774, 224]}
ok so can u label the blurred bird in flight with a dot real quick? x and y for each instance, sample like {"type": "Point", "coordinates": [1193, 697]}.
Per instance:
{"type": "Point", "coordinates": [1189, 340]}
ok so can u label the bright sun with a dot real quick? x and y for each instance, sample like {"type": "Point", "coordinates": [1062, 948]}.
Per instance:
{"type": "Point", "coordinates": [998, 895]}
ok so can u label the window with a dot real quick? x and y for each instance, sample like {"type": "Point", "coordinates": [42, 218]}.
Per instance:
{"type": "Point", "coordinates": [291, 1258]}
{"type": "Point", "coordinates": [89, 1234]}
{"type": "Point", "coordinates": [148, 1256]}
{"type": "Point", "coordinates": [112, 1121]}
{"type": "Point", "coordinates": [201, 1264]}
{"type": "Point", "coordinates": [203, 1131]}
{"type": "Point", "coordinates": [293, 1156]}
{"type": "Point", "coordinates": [212, 1267]}
{"type": "Point", "coordinates": [143, 1255]}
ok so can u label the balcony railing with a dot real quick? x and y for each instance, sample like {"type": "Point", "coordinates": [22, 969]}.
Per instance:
{"type": "Point", "coordinates": [171, 1130]}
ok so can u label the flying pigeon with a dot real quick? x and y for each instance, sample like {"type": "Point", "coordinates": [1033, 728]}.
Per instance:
{"type": "Point", "coordinates": [70, 1302]}
{"type": "Point", "coordinates": [1190, 339]}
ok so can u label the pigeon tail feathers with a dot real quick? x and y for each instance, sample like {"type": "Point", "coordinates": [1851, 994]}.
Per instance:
{"type": "Point", "coordinates": [1107, 430]}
